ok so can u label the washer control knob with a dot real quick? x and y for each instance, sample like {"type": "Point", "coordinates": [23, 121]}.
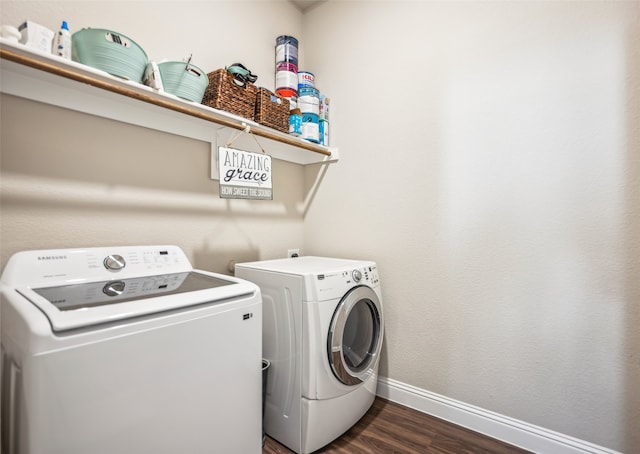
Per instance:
{"type": "Point", "coordinates": [113, 288]}
{"type": "Point", "coordinates": [114, 262]}
{"type": "Point", "coordinates": [356, 275]}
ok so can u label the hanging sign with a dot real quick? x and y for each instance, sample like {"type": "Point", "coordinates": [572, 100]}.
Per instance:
{"type": "Point", "coordinates": [244, 175]}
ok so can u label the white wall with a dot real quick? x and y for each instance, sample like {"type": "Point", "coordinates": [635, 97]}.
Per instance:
{"type": "Point", "coordinates": [490, 165]}
{"type": "Point", "coordinates": [73, 180]}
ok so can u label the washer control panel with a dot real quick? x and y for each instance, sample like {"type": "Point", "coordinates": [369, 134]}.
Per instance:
{"type": "Point", "coordinates": [35, 268]}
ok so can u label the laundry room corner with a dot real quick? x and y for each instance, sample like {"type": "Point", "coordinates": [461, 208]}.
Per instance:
{"type": "Point", "coordinates": [486, 188]}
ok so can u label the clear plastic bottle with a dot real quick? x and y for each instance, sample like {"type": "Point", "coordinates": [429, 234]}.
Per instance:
{"type": "Point", "coordinates": [62, 42]}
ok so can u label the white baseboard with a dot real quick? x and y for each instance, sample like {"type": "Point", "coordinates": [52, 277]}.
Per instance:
{"type": "Point", "coordinates": [512, 431]}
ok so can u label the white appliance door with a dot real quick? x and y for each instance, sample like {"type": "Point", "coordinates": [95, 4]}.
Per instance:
{"type": "Point", "coordinates": [355, 336]}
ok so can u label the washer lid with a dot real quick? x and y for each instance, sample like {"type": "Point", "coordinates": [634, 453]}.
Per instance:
{"type": "Point", "coordinates": [85, 304]}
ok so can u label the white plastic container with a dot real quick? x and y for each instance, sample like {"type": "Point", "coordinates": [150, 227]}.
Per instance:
{"type": "Point", "coordinates": [62, 42]}
{"type": "Point", "coordinates": [36, 36]}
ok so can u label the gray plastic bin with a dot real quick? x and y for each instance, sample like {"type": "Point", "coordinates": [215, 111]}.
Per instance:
{"type": "Point", "coordinates": [265, 374]}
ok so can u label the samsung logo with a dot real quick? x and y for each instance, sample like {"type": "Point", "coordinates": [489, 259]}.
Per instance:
{"type": "Point", "coordinates": [52, 257]}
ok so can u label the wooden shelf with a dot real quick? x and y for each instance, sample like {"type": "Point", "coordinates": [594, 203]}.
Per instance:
{"type": "Point", "coordinates": [53, 80]}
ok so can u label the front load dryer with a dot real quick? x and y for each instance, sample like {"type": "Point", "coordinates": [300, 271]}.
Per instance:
{"type": "Point", "coordinates": [322, 332]}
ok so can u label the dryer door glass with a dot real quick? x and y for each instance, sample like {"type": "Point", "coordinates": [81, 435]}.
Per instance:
{"type": "Point", "coordinates": [355, 336]}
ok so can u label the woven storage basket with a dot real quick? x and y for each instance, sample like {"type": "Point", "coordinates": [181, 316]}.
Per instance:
{"type": "Point", "coordinates": [223, 93]}
{"type": "Point", "coordinates": [272, 110]}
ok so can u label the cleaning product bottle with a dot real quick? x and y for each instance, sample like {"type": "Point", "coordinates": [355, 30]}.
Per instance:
{"type": "Point", "coordinates": [62, 42]}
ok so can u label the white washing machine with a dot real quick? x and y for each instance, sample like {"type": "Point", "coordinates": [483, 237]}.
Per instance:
{"type": "Point", "coordinates": [128, 350]}
{"type": "Point", "coordinates": [322, 331]}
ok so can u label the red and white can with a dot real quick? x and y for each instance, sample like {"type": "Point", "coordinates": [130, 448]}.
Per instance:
{"type": "Point", "coordinates": [287, 76]}
{"type": "Point", "coordinates": [306, 79]}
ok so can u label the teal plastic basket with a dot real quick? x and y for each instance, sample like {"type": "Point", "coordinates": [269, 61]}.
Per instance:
{"type": "Point", "coordinates": [184, 80]}
{"type": "Point", "coordinates": [109, 51]}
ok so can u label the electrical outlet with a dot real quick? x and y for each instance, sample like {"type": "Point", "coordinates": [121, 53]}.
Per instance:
{"type": "Point", "coordinates": [292, 253]}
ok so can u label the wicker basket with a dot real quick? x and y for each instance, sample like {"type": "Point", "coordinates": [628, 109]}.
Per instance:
{"type": "Point", "coordinates": [272, 110]}
{"type": "Point", "coordinates": [224, 94]}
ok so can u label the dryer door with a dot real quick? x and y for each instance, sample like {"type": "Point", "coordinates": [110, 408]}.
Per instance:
{"type": "Point", "coordinates": [355, 336]}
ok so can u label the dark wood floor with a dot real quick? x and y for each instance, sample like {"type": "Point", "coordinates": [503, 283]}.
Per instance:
{"type": "Point", "coordinates": [392, 428]}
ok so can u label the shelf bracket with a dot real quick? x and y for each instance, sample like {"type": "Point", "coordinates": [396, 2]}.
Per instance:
{"type": "Point", "coordinates": [215, 172]}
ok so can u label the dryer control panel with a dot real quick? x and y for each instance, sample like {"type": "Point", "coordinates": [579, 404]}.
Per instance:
{"type": "Point", "coordinates": [336, 283]}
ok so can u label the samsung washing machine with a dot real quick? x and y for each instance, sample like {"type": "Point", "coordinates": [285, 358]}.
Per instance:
{"type": "Point", "coordinates": [127, 350]}
{"type": "Point", "coordinates": [322, 331]}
